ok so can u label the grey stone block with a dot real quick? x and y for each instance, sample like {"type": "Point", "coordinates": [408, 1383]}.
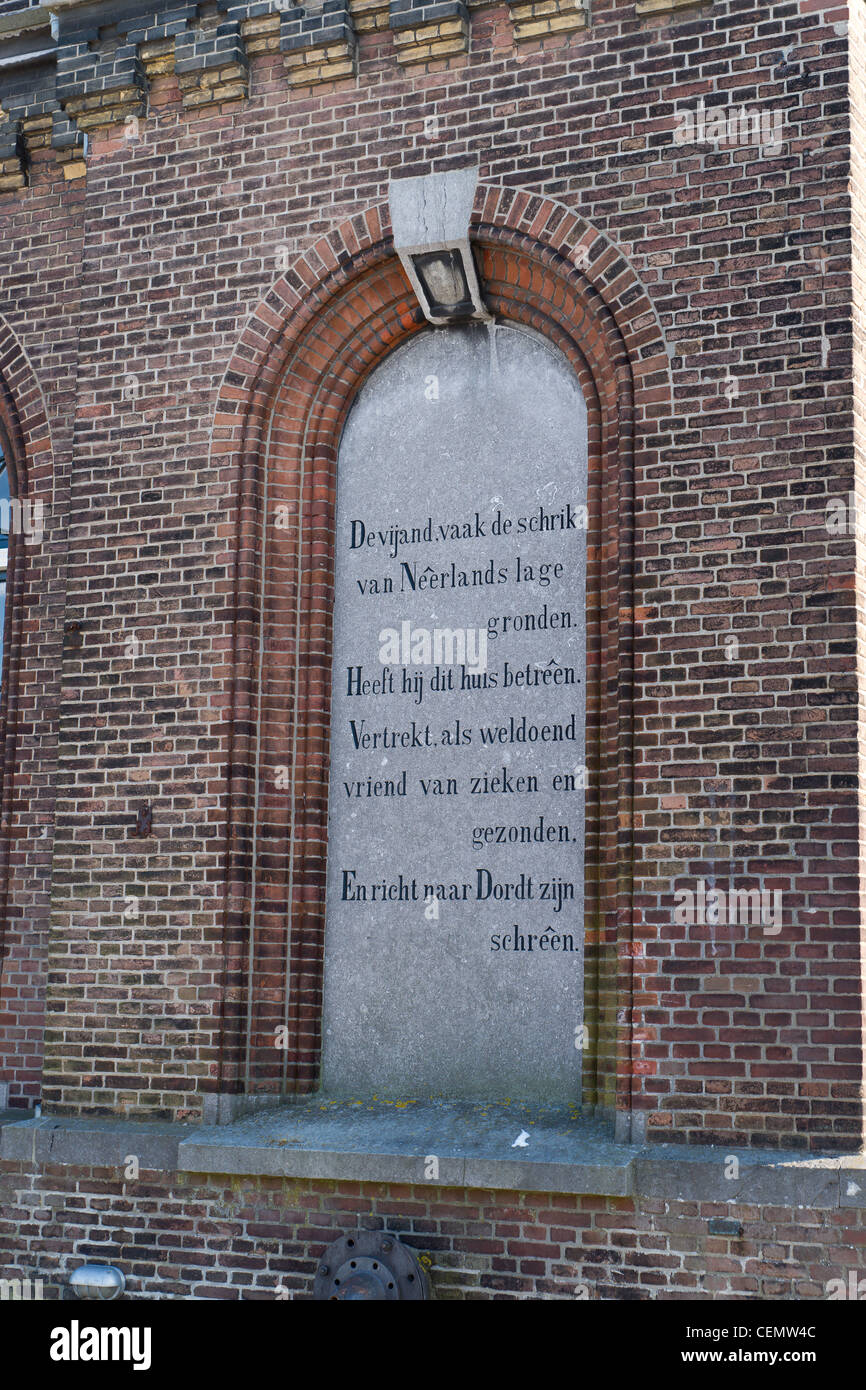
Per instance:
{"type": "Point", "coordinates": [83, 1143]}
{"type": "Point", "coordinates": [473, 1145]}
{"type": "Point", "coordinates": [436, 1142]}
{"type": "Point", "coordinates": [611, 1179]}
{"type": "Point", "coordinates": [64, 134]}
{"type": "Point", "coordinates": [699, 1175]}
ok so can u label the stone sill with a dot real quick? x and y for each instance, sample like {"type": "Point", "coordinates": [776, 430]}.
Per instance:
{"type": "Point", "coordinates": [373, 1141]}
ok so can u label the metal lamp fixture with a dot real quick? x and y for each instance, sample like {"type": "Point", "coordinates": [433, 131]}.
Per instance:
{"type": "Point", "coordinates": [97, 1282]}
{"type": "Point", "coordinates": [443, 278]}
{"type": "Point", "coordinates": [430, 219]}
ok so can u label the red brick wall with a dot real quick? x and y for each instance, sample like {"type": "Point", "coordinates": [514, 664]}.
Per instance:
{"type": "Point", "coordinates": [135, 294]}
{"type": "Point", "coordinates": [40, 251]}
{"type": "Point", "coordinates": [264, 1239]}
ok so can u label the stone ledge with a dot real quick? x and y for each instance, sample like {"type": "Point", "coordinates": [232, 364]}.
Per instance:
{"type": "Point", "coordinates": [25, 21]}
{"type": "Point", "coordinates": [326, 1139]}
{"type": "Point", "coordinates": [373, 1141]}
{"type": "Point", "coordinates": [765, 1177]}
{"type": "Point", "coordinates": [91, 1143]}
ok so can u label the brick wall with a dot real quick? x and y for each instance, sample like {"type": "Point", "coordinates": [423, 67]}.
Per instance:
{"type": "Point", "coordinates": [263, 1239]}
{"type": "Point", "coordinates": [132, 283]}
{"type": "Point", "coordinates": [40, 262]}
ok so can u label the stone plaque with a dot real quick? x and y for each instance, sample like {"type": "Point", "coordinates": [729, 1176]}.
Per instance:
{"type": "Point", "coordinates": [454, 935]}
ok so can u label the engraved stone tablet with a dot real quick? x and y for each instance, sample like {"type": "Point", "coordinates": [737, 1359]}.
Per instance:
{"type": "Point", "coordinates": [454, 935]}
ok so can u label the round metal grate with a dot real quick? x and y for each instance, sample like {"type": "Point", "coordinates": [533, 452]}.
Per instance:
{"type": "Point", "coordinates": [369, 1265]}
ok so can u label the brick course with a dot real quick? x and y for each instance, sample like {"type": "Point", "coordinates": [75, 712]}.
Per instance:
{"type": "Point", "coordinates": [263, 1239]}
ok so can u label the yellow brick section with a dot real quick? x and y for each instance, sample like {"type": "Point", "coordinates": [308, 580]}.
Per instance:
{"type": "Point", "coordinates": [206, 88]}
{"type": "Point", "coordinates": [37, 131]}
{"type": "Point", "coordinates": [425, 43]}
{"type": "Point", "coordinates": [11, 175]}
{"type": "Point", "coordinates": [329, 63]}
{"type": "Point", "coordinates": [660, 6]}
{"type": "Point", "coordinates": [157, 58]}
{"type": "Point", "coordinates": [368, 15]}
{"type": "Point", "coordinates": [261, 35]}
{"type": "Point", "coordinates": [540, 17]}
{"type": "Point", "coordinates": [108, 108]}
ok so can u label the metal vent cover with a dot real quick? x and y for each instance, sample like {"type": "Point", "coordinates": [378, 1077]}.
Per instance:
{"type": "Point", "coordinates": [370, 1265]}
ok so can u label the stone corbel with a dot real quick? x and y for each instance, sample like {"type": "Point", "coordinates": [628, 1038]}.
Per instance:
{"type": "Point", "coordinates": [536, 19]}
{"type": "Point", "coordinates": [13, 160]}
{"type": "Point", "coordinates": [96, 86]}
{"type": "Point", "coordinates": [430, 220]}
{"type": "Point", "coordinates": [318, 43]}
{"type": "Point", "coordinates": [71, 146]}
{"type": "Point", "coordinates": [427, 32]}
{"type": "Point", "coordinates": [211, 67]}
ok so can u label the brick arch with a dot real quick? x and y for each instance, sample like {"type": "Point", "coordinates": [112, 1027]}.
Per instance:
{"type": "Point", "coordinates": [26, 440]}
{"type": "Point", "coordinates": [303, 355]}
{"type": "Point", "coordinates": [22, 413]}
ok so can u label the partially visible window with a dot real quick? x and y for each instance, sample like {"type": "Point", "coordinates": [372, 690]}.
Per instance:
{"type": "Point", "coordinates": [4, 545]}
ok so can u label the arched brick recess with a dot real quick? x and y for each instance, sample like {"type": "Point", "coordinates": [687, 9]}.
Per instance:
{"type": "Point", "coordinates": [26, 442]}
{"type": "Point", "coordinates": [302, 357]}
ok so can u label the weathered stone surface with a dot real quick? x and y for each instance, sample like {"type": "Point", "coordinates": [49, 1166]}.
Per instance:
{"type": "Point", "coordinates": [261, 35]}
{"type": "Point", "coordinates": [368, 1141]}
{"type": "Point", "coordinates": [380, 1141]}
{"type": "Point", "coordinates": [368, 15]}
{"type": "Point", "coordinates": [444, 986]}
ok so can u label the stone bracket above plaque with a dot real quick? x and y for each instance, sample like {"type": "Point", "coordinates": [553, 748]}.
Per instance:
{"type": "Point", "coordinates": [430, 218]}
